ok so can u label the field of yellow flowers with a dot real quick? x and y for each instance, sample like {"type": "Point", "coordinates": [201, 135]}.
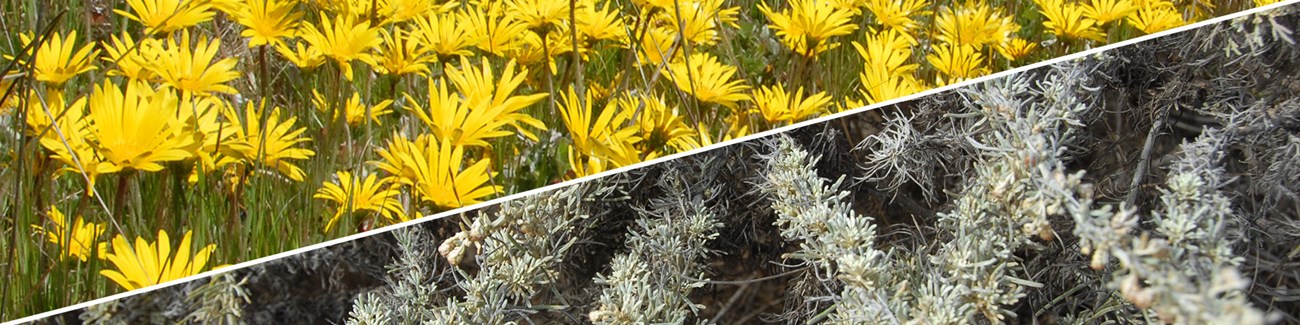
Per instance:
{"type": "Point", "coordinates": [149, 140]}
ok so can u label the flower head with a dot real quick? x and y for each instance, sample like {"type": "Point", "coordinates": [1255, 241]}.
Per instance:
{"type": "Point", "coordinates": [353, 110]}
{"type": "Point", "coordinates": [356, 194]}
{"type": "Point", "coordinates": [1156, 16]}
{"type": "Point", "coordinates": [343, 40]}
{"type": "Point", "coordinates": [1106, 11]}
{"type": "Point", "coordinates": [58, 59]}
{"type": "Point", "coordinates": [267, 21]}
{"type": "Point", "coordinates": [444, 35]}
{"type": "Point", "coordinates": [166, 16]}
{"type": "Point", "coordinates": [1069, 20]}
{"type": "Point", "coordinates": [974, 23]}
{"type": "Point", "coordinates": [434, 170]}
{"type": "Point", "coordinates": [402, 53]}
{"type": "Point", "coordinates": [807, 24]}
{"type": "Point", "coordinates": [136, 129]}
{"type": "Point", "coordinates": [957, 62]}
{"type": "Point", "coordinates": [76, 239]}
{"type": "Point", "coordinates": [192, 70]}
{"type": "Point", "coordinates": [778, 106]}
{"type": "Point", "coordinates": [454, 122]}
{"type": "Point", "coordinates": [483, 90]}
{"type": "Point", "coordinates": [897, 14]}
{"type": "Point", "coordinates": [274, 144]}
{"type": "Point", "coordinates": [145, 264]}
{"type": "Point", "coordinates": [708, 80]}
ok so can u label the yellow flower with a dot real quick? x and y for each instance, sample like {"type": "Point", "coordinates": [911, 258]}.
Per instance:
{"type": "Point", "coordinates": [368, 194]}
{"type": "Point", "coordinates": [353, 111]}
{"type": "Point", "coordinates": [267, 21]}
{"type": "Point", "coordinates": [434, 170]}
{"type": "Point", "coordinates": [539, 15]}
{"type": "Point", "coordinates": [657, 124]}
{"type": "Point", "coordinates": [343, 40]}
{"type": "Point", "coordinates": [304, 57]}
{"type": "Point", "coordinates": [277, 146]}
{"type": "Point", "coordinates": [1106, 11]}
{"type": "Point", "coordinates": [215, 138]}
{"type": "Point", "coordinates": [708, 80]}
{"type": "Point", "coordinates": [603, 136]}
{"type": "Point", "coordinates": [879, 86]}
{"type": "Point", "coordinates": [444, 35]}
{"type": "Point", "coordinates": [1068, 20]}
{"type": "Point", "coordinates": [885, 74]}
{"type": "Point", "coordinates": [974, 23]}
{"type": "Point", "coordinates": [453, 122]}
{"type": "Point", "coordinates": [897, 14]}
{"type": "Point", "coordinates": [166, 16]}
{"type": "Point", "coordinates": [805, 26]}
{"type": "Point", "coordinates": [698, 21]}
{"type": "Point", "coordinates": [599, 24]}
{"type": "Point", "coordinates": [497, 31]}
{"type": "Point", "coordinates": [1156, 17]}
{"type": "Point", "coordinates": [136, 129]}
{"type": "Point", "coordinates": [71, 143]}
{"type": "Point", "coordinates": [402, 53]}
{"type": "Point", "coordinates": [887, 50]}
{"type": "Point", "coordinates": [131, 59]}
{"type": "Point", "coordinates": [483, 91]}
{"type": "Point", "coordinates": [397, 11]}
{"type": "Point", "coordinates": [779, 106]}
{"type": "Point", "coordinates": [1016, 48]}
{"type": "Point", "coordinates": [956, 62]}
{"type": "Point", "coordinates": [658, 46]}
{"type": "Point", "coordinates": [75, 239]}
{"type": "Point", "coordinates": [147, 264]}
{"type": "Point", "coordinates": [56, 61]}
{"type": "Point", "coordinates": [193, 71]}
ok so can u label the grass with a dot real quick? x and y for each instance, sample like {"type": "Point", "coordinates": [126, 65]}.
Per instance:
{"type": "Point", "coordinates": [253, 211]}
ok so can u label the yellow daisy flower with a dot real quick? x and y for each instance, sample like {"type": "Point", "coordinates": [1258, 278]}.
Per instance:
{"type": "Point", "coordinates": [278, 147]}
{"type": "Point", "coordinates": [710, 81]}
{"type": "Point", "coordinates": [402, 53]}
{"type": "Point", "coordinates": [780, 107]}
{"type": "Point", "coordinates": [1106, 11]}
{"type": "Point", "coordinates": [343, 40]}
{"type": "Point", "coordinates": [136, 129]}
{"type": "Point", "coordinates": [192, 70]}
{"type": "Point", "coordinates": [974, 23]}
{"type": "Point", "coordinates": [75, 239]}
{"type": "Point", "coordinates": [807, 24]}
{"type": "Point", "coordinates": [482, 90]}
{"type": "Point", "coordinates": [433, 169]}
{"type": "Point", "coordinates": [1016, 48]}
{"type": "Point", "coordinates": [453, 122]}
{"type": "Point", "coordinates": [699, 20]}
{"type": "Point", "coordinates": [166, 16]}
{"type": "Point", "coordinates": [657, 124]}
{"type": "Point", "coordinates": [267, 21]}
{"type": "Point", "coordinates": [131, 59]}
{"type": "Point", "coordinates": [1069, 20]}
{"type": "Point", "coordinates": [897, 14]}
{"type": "Point", "coordinates": [1156, 17]}
{"type": "Point", "coordinates": [444, 35]}
{"type": "Point", "coordinates": [58, 59]}
{"type": "Point", "coordinates": [956, 62]}
{"type": "Point", "coordinates": [355, 194]}
{"type": "Point", "coordinates": [497, 32]}
{"type": "Point", "coordinates": [354, 111]}
{"type": "Point", "coordinates": [146, 264]}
